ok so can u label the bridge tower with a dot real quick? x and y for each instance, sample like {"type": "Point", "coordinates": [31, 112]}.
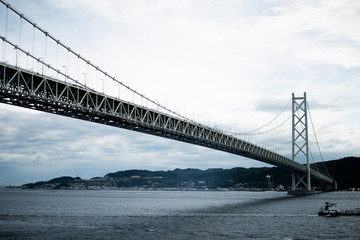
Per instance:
{"type": "Point", "coordinates": [300, 143]}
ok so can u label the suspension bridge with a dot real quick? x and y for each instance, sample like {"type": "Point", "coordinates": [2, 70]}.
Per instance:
{"type": "Point", "coordinates": [42, 77]}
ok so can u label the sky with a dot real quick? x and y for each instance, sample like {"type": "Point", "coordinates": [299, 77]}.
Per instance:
{"type": "Point", "coordinates": [232, 65]}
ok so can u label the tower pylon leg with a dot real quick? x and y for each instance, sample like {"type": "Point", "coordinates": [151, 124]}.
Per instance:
{"type": "Point", "coordinates": [300, 143]}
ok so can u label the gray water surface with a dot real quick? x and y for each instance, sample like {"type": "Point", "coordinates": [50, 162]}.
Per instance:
{"type": "Point", "coordinates": [66, 214]}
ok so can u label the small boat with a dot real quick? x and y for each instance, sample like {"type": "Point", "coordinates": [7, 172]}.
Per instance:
{"type": "Point", "coordinates": [331, 210]}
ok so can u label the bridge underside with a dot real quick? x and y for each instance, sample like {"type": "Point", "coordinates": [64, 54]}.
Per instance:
{"type": "Point", "coordinates": [30, 90]}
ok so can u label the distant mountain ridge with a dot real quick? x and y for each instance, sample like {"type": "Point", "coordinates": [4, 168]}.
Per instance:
{"type": "Point", "coordinates": [346, 171]}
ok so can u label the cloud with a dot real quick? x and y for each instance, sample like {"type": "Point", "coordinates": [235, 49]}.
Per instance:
{"type": "Point", "coordinates": [231, 64]}
{"type": "Point", "coordinates": [48, 144]}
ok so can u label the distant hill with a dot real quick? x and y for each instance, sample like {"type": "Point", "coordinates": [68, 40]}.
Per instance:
{"type": "Point", "coordinates": [345, 171]}
{"type": "Point", "coordinates": [211, 178]}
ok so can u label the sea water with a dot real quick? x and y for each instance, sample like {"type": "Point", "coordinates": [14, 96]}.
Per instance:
{"type": "Point", "coordinates": [86, 214]}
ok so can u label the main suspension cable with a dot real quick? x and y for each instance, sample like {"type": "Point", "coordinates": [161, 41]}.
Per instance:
{"type": "Point", "coordinates": [253, 132]}
{"type": "Point", "coordinates": [92, 65]}
{"type": "Point", "coordinates": [317, 142]}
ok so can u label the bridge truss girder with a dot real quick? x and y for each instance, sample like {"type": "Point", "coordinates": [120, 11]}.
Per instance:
{"type": "Point", "coordinates": [27, 89]}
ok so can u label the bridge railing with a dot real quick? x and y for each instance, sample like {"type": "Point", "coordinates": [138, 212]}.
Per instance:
{"type": "Point", "coordinates": [31, 90]}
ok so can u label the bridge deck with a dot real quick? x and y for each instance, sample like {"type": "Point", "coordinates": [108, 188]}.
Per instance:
{"type": "Point", "coordinates": [31, 90]}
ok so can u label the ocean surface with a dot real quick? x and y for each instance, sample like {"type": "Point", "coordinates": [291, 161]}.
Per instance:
{"type": "Point", "coordinates": [77, 214]}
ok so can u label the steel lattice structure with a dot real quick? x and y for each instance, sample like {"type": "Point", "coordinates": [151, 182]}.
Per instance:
{"type": "Point", "coordinates": [28, 89]}
{"type": "Point", "coordinates": [300, 140]}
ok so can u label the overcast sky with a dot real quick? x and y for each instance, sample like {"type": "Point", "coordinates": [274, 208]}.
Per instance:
{"type": "Point", "coordinates": [229, 64]}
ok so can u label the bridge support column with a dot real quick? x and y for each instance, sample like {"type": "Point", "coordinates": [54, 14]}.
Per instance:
{"type": "Point", "coordinates": [300, 146]}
